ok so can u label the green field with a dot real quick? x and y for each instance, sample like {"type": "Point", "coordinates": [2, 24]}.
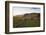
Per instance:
{"type": "Point", "coordinates": [32, 20]}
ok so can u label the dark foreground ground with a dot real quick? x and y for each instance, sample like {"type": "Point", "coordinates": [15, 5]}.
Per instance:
{"type": "Point", "coordinates": [26, 20]}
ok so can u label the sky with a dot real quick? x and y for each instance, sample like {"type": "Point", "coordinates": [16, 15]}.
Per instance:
{"type": "Point", "coordinates": [22, 10]}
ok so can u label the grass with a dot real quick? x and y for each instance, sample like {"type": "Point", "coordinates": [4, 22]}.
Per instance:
{"type": "Point", "coordinates": [20, 22]}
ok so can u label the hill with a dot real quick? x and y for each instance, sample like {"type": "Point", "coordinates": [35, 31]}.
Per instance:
{"type": "Point", "coordinates": [27, 20]}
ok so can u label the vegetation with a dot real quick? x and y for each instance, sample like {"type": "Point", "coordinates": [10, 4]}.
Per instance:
{"type": "Point", "coordinates": [27, 20]}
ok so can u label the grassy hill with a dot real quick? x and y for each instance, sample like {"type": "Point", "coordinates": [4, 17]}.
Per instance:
{"type": "Point", "coordinates": [27, 20]}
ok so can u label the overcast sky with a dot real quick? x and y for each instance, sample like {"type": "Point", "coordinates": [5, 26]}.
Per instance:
{"type": "Point", "coordinates": [23, 10]}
